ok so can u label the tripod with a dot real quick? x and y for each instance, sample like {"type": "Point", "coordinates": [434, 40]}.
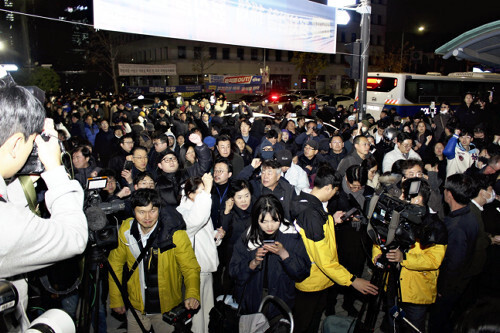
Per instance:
{"type": "Point", "coordinates": [90, 297]}
{"type": "Point", "coordinates": [383, 272]}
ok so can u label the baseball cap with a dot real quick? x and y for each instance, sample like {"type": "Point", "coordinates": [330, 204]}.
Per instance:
{"type": "Point", "coordinates": [284, 157]}
{"type": "Point", "coordinates": [313, 144]}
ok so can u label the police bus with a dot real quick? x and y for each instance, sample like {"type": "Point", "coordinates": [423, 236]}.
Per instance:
{"type": "Point", "coordinates": [410, 93]}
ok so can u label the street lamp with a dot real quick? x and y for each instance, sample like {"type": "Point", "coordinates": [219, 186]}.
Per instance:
{"type": "Point", "coordinates": [2, 46]}
{"type": "Point", "coordinates": [419, 29]}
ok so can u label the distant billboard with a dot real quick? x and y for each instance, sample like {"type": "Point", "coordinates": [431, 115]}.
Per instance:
{"type": "Point", "coordinates": [295, 25]}
{"type": "Point", "coordinates": [146, 70]}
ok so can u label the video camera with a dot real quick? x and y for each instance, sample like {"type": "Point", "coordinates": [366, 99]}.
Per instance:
{"type": "Point", "coordinates": [179, 317]}
{"type": "Point", "coordinates": [101, 233]}
{"type": "Point", "coordinates": [53, 320]}
{"type": "Point", "coordinates": [393, 223]}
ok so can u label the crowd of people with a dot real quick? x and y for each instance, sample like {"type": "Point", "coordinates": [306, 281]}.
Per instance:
{"type": "Point", "coordinates": [234, 205]}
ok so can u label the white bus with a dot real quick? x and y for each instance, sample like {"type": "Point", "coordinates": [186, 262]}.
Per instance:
{"type": "Point", "coordinates": [410, 93]}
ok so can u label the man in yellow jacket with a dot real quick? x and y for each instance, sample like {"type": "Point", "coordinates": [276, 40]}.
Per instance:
{"type": "Point", "coordinates": [317, 229]}
{"type": "Point", "coordinates": [419, 265]}
{"type": "Point", "coordinates": [154, 286]}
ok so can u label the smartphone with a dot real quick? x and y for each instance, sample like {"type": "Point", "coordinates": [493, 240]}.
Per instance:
{"type": "Point", "coordinates": [128, 165]}
{"type": "Point", "coordinates": [268, 241]}
{"type": "Point", "coordinates": [349, 214]}
{"type": "Point", "coordinates": [414, 188]}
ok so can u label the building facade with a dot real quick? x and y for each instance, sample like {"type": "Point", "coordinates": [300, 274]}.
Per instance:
{"type": "Point", "coordinates": [195, 60]}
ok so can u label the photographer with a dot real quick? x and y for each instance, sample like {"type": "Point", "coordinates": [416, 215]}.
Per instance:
{"type": "Point", "coordinates": [165, 258]}
{"type": "Point", "coordinates": [420, 264]}
{"type": "Point", "coordinates": [30, 242]}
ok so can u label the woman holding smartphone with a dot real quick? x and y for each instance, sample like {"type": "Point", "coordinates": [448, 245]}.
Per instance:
{"type": "Point", "coordinates": [268, 259]}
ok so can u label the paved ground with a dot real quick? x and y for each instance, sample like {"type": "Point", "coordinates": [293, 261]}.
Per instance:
{"type": "Point", "coordinates": [114, 326]}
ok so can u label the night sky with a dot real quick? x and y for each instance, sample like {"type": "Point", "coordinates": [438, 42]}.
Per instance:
{"type": "Point", "coordinates": [443, 19]}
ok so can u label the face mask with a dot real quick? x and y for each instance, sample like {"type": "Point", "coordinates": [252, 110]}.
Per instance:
{"type": "Point", "coordinates": [492, 197]}
{"type": "Point", "coordinates": [267, 155]}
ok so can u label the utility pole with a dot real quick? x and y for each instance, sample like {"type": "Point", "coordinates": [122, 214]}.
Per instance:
{"type": "Point", "coordinates": [365, 11]}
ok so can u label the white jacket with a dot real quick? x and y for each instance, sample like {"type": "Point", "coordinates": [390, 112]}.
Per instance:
{"type": "Point", "coordinates": [200, 230]}
{"type": "Point", "coordinates": [29, 242]}
{"type": "Point", "coordinates": [298, 178]}
{"type": "Point", "coordinates": [396, 155]}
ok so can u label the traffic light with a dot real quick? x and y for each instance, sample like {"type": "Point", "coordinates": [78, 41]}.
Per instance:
{"type": "Point", "coordinates": [354, 60]}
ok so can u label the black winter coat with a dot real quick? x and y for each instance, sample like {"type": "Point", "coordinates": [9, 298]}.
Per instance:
{"type": "Point", "coordinates": [281, 274]}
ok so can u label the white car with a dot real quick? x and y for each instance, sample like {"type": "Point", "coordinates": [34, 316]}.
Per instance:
{"type": "Point", "coordinates": [346, 101]}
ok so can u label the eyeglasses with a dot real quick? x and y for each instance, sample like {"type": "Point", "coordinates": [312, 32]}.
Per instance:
{"type": "Point", "coordinates": [414, 174]}
{"type": "Point", "coordinates": [169, 159]}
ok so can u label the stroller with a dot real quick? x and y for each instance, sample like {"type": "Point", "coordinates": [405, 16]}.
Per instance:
{"type": "Point", "coordinates": [258, 323]}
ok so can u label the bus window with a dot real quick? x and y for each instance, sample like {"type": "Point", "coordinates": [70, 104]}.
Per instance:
{"type": "Point", "coordinates": [381, 84]}
{"type": "Point", "coordinates": [448, 91]}
{"type": "Point", "coordinates": [420, 91]}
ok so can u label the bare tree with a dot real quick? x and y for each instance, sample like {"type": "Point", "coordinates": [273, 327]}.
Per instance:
{"type": "Point", "coordinates": [202, 61]}
{"type": "Point", "coordinates": [391, 60]}
{"type": "Point", "coordinates": [103, 53]}
{"type": "Point", "coordinates": [309, 64]}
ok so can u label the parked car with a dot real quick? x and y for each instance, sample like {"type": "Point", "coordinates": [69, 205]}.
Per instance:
{"type": "Point", "coordinates": [346, 101]}
{"type": "Point", "coordinates": [278, 103]}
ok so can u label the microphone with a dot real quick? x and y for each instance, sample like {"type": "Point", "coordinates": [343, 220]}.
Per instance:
{"type": "Point", "coordinates": [399, 313]}
{"type": "Point", "coordinates": [96, 218]}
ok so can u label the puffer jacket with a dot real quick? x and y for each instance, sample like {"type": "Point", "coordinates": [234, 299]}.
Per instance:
{"type": "Point", "coordinates": [317, 229]}
{"type": "Point", "coordinates": [419, 272]}
{"type": "Point", "coordinates": [281, 274]}
{"type": "Point", "coordinates": [176, 263]}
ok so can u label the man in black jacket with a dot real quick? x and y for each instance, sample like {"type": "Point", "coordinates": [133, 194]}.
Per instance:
{"type": "Point", "coordinates": [271, 182]}
{"type": "Point", "coordinates": [462, 226]}
{"type": "Point", "coordinates": [337, 151]}
{"type": "Point", "coordinates": [116, 162]}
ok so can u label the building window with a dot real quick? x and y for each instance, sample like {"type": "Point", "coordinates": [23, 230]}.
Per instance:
{"type": "Point", "coordinates": [342, 37]}
{"type": "Point", "coordinates": [165, 53]}
{"type": "Point", "coordinates": [197, 52]}
{"type": "Point", "coordinates": [278, 55]}
{"type": "Point", "coordinates": [290, 55]}
{"type": "Point", "coordinates": [379, 19]}
{"type": "Point", "coordinates": [181, 52]}
{"type": "Point", "coordinates": [225, 53]}
{"type": "Point", "coordinates": [212, 51]}
{"type": "Point", "coordinates": [332, 58]}
{"type": "Point", "coordinates": [240, 53]}
{"type": "Point", "coordinates": [254, 54]}
{"type": "Point", "coordinates": [342, 59]}
{"type": "Point", "coordinates": [379, 40]}
{"type": "Point", "coordinates": [266, 53]}
{"type": "Point", "coordinates": [353, 37]}
{"type": "Point", "coordinates": [371, 40]}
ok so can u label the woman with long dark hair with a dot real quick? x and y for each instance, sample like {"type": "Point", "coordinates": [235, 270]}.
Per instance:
{"type": "Point", "coordinates": [268, 259]}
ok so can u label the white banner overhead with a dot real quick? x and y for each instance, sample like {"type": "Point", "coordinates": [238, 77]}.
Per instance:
{"type": "Point", "coordinates": [146, 70]}
{"type": "Point", "coordinates": [295, 25]}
